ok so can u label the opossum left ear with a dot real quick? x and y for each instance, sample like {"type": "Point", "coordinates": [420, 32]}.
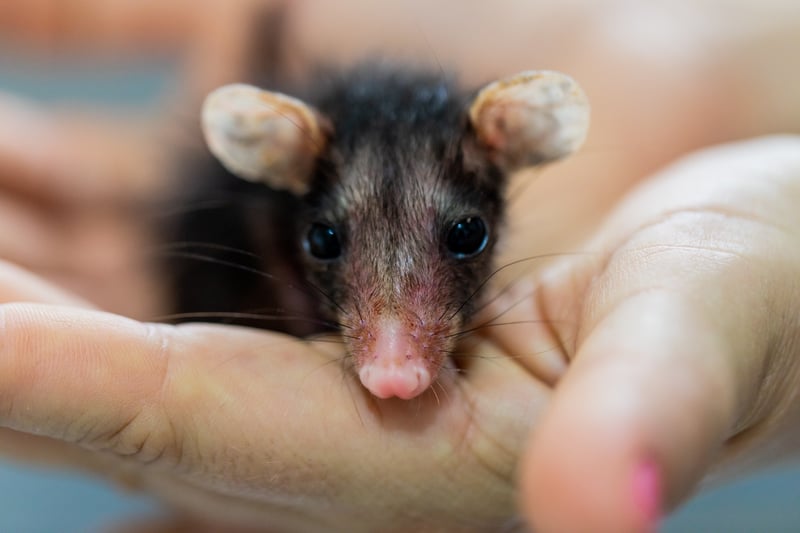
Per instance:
{"type": "Point", "coordinates": [531, 118]}
{"type": "Point", "coordinates": [264, 136]}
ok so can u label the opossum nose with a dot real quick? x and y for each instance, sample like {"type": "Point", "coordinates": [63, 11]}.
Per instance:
{"type": "Point", "coordinates": [397, 365]}
{"type": "Point", "coordinates": [404, 381]}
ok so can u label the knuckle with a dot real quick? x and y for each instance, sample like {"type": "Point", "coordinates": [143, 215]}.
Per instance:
{"type": "Point", "coordinates": [150, 433]}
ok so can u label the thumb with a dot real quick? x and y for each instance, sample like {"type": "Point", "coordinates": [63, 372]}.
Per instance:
{"type": "Point", "coordinates": [648, 401]}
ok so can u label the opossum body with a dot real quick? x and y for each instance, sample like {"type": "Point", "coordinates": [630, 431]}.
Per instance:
{"type": "Point", "coordinates": [385, 188]}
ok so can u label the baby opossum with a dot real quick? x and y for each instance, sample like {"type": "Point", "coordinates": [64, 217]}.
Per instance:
{"type": "Point", "coordinates": [384, 188]}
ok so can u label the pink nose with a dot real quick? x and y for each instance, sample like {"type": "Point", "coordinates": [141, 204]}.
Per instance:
{"type": "Point", "coordinates": [395, 364]}
{"type": "Point", "coordinates": [405, 380]}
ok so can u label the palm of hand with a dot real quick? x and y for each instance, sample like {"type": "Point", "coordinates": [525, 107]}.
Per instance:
{"type": "Point", "coordinates": [665, 315]}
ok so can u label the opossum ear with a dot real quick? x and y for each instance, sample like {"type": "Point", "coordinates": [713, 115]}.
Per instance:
{"type": "Point", "coordinates": [264, 136]}
{"type": "Point", "coordinates": [530, 118]}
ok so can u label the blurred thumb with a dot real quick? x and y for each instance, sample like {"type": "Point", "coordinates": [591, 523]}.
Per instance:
{"type": "Point", "coordinates": [648, 400]}
{"type": "Point", "coordinates": [77, 158]}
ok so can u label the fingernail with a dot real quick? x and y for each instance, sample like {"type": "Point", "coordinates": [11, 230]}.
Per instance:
{"type": "Point", "coordinates": [647, 493]}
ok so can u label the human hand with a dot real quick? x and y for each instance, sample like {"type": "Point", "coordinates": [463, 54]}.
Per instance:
{"type": "Point", "coordinates": [546, 369]}
{"type": "Point", "coordinates": [71, 190]}
{"type": "Point", "coordinates": [258, 428]}
{"type": "Point", "coordinates": [681, 336]}
{"type": "Point", "coordinates": [78, 412]}
{"type": "Point", "coordinates": [677, 329]}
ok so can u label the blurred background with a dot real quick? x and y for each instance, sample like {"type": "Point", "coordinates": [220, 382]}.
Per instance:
{"type": "Point", "coordinates": [115, 87]}
{"type": "Point", "coordinates": [35, 500]}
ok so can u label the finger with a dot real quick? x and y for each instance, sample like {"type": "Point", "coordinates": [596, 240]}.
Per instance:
{"type": "Point", "coordinates": [18, 285]}
{"type": "Point", "coordinates": [259, 415]}
{"type": "Point", "coordinates": [43, 333]}
{"type": "Point", "coordinates": [516, 322]}
{"type": "Point", "coordinates": [35, 240]}
{"type": "Point", "coordinates": [118, 25]}
{"type": "Point", "coordinates": [503, 400]}
{"type": "Point", "coordinates": [98, 256]}
{"type": "Point", "coordinates": [76, 158]}
{"type": "Point", "coordinates": [81, 375]}
{"type": "Point", "coordinates": [157, 395]}
{"type": "Point", "coordinates": [681, 347]}
{"type": "Point", "coordinates": [646, 405]}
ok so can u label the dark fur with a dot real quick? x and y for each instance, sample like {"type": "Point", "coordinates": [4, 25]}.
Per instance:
{"type": "Point", "coordinates": [401, 168]}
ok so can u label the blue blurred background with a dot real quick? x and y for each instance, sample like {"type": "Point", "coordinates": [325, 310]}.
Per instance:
{"type": "Point", "coordinates": [34, 500]}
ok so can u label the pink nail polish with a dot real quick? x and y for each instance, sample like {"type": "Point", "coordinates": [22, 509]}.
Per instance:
{"type": "Point", "coordinates": [647, 493]}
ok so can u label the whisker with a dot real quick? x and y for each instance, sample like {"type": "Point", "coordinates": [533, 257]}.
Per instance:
{"type": "Point", "coordinates": [442, 73]}
{"type": "Point", "coordinates": [327, 341]}
{"type": "Point", "coordinates": [468, 356]}
{"type": "Point", "coordinates": [444, 391]}
{"type": "Point", "coordinates": [333, 337]}
{"type": "Point", "coordinates": [221, 262]}
{"type": "Point", "coordinates": [183, 206]}
{"type": "Point", "coordinates": [327, 296]}
{"type": "Point", "coordinates": [333, 360]}
{"type": "Point", "coordinates": [255, 271]}
{"type": "Point", "coordinates": [490, 324]}
{"type": "Point", "coordinates": [346, 373]}
{"type": "Point", "coordinates": [471, 355]}
{"type": "Point", "coordinates": [504, 267]}
{"type": "Point", "coordinates": [349, 384]}
{"type": "Point", "coordinates": [242, 316]}
{"type": "Point", "coordinates": [198, 244]}
{"type": "Point", "coordinates": [435, 395]}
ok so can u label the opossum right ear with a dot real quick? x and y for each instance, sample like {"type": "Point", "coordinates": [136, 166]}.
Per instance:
{"type": "Point", "coordinates": [531, 118]}
{"type": "Point", "coordinates": [264, 136]}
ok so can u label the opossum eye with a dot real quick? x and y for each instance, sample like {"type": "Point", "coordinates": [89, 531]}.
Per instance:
{"type": "Point", "coordinates": [467, 237]}
{"type": "Point", "coordinates": [322, 242]}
